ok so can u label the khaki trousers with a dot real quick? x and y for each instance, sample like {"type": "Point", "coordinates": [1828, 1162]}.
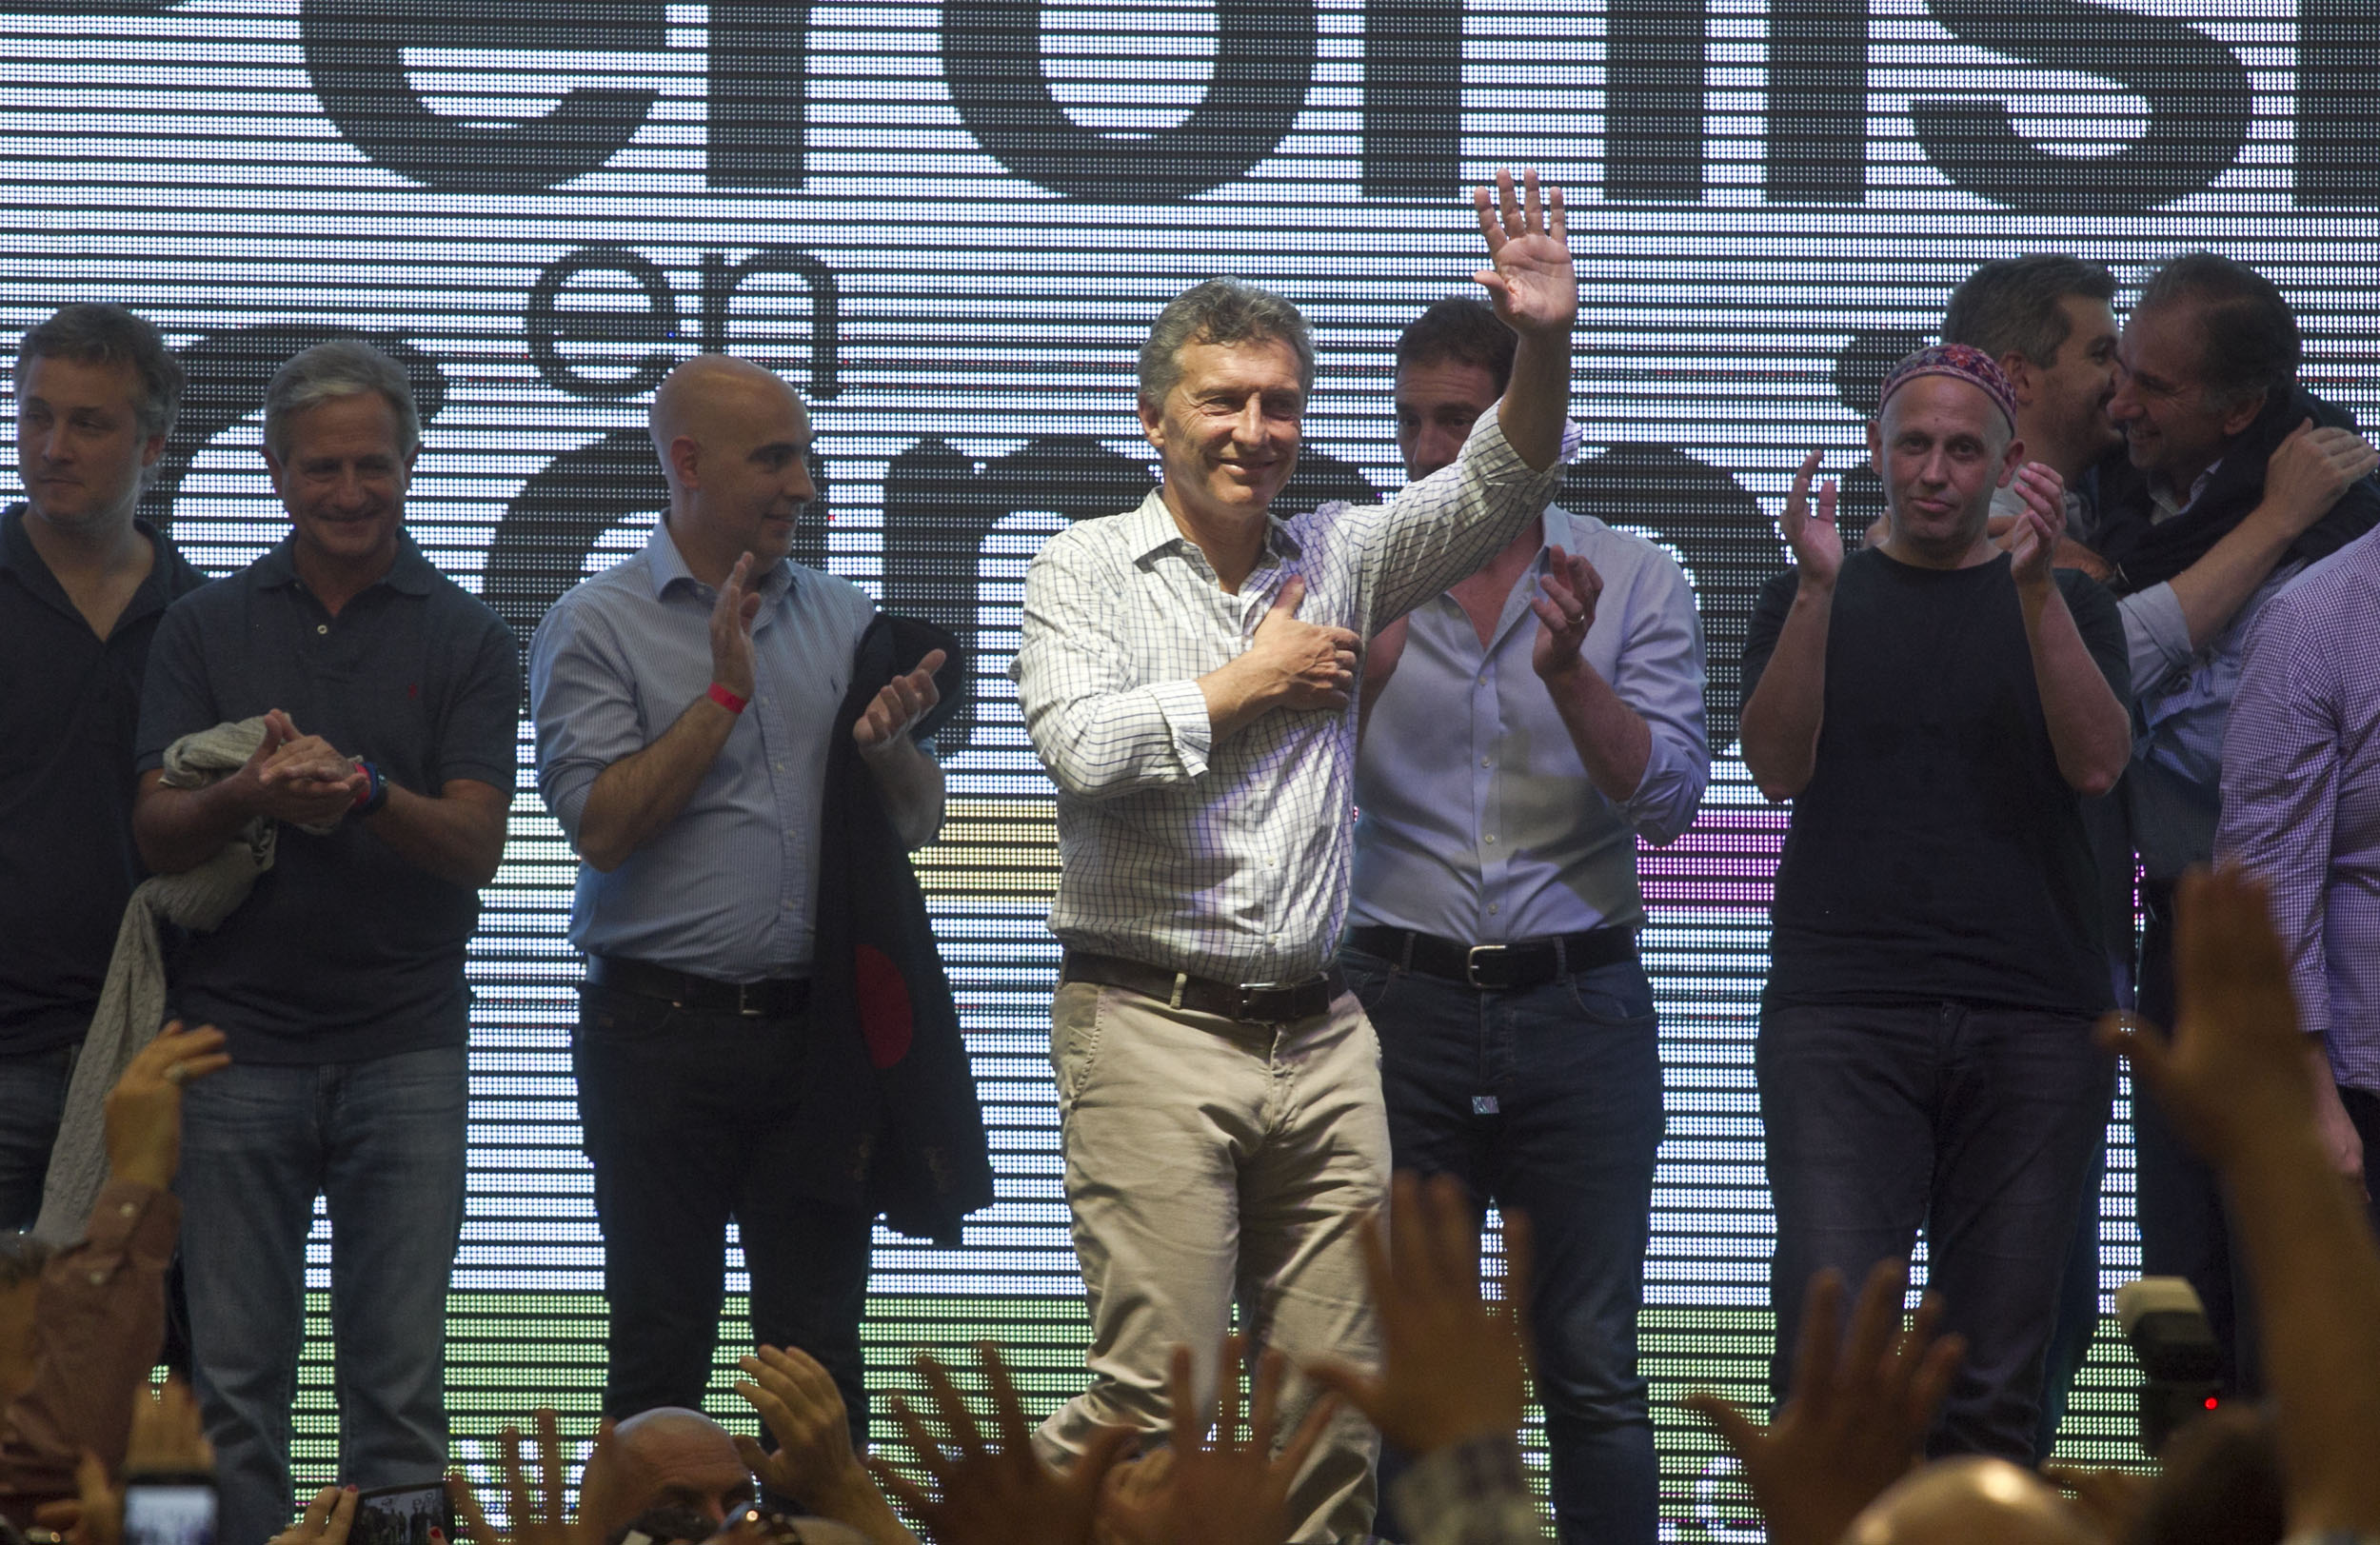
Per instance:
{"type": "Point", "coordinates": [1209, 1160]}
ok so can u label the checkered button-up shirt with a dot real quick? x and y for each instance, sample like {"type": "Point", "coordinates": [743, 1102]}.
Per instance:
{"type": "Point", "coordinates": [1226, 860]}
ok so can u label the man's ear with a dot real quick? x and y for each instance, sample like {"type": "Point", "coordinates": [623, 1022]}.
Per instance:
{"type": "Point", "coordinates": [2019, 370]}
{"type": "Point", "coordinates": [2011, 461]}
{"type": "Point", "coordinates": [272, 468]}
{"type": "Point", "coordinates": [685, 457]}
{"type": "Point", "coordinates": [2238, 418]}
{"type": "Point", "coordinates": [1875, 442]}
{"type": "Point", "coordinates": [1153, 422]}
{"type": "Point", "coordinates": [152, 449]}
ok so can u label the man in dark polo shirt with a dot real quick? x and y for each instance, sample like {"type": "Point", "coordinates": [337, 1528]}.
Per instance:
{"type": "Point", "coordinates": [388, 765]}
{"type": "Point", "coordinates": [82, 587]}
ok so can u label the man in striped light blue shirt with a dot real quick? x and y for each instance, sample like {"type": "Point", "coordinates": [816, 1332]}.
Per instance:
{"type": "Point", "coordinates": [1186, 674]}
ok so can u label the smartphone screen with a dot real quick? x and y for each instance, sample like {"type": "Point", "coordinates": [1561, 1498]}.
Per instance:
{"type": "Point", "coordinates": [176, 1512]}
{"type": "Point", "coordinates": [401, 1515]}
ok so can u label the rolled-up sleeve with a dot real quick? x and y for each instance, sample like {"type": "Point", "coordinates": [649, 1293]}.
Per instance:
{"type": "Point", "coordinates": [583, 701]}
{"type": "Point", "coordinates": [2280, 794]}
{"type": "Point", "coordinates": [1100, 733]}
{"type": "Point", "coordinates": [2156, 637]}
{"type": "Point", "coordinates": [1439, 531]}
{"type": "Point", "coordinates": [1660, 675]}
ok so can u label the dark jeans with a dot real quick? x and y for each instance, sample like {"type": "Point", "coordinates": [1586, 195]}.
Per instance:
{"type": "Point", "coordinates": [687, 1120]}
{"type": "Point", "coordinates": [1977, 1122]}
{"type": "Point", "coordinates": [2077, 1313]}
{"type": "Point", "coordinates": [2183, 1229]}
{"type": "Point", "coordinates": [33, 1095]}
{"type": "Point", "coordinates": [1547, 1101]}
{"type": "Point", "coordinates": [2363, 1108]}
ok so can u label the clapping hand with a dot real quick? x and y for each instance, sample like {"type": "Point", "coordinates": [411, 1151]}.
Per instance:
{"type": "Point", "coordinates": [2039, 529]}
{"type": "Point", "coordinates": [1817, 544]}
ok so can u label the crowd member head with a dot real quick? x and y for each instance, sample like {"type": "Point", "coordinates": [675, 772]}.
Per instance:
{"type": "Point", "coordinates": [670, 1457]}
{"type": "Point", "coordinates": [2208, 345]}
{"type": "Point", "coordinates": [1944, 438]}
{"type": "Point", "coordinates": [1452, 362]}
{"type": "Point", "coordinates": [1971, 1501]}
{"type": "Point", "coordinates": [96, 394]}
{"type": "Point", "coordinates": [341, 433]}
{"type": "Point", "coordinates": [2046, 321]}
{"type": "Point", "coordinates": [734, 443]}
{"type": "Point", "coordinates": [1223, 381]}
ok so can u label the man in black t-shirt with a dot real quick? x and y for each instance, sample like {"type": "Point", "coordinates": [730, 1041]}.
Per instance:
{"type": "Point", "coordinates": [1936, 708]}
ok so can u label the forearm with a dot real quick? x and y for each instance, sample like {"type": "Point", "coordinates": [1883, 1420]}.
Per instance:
{"type": "Point", "coordinates": [2090, 732]}
{"type": "Point", "coordinates": [2211, 590]}
{"type": "Point", "coordinates": [456, 838]}
{"type": "Point", "coordinates": [178, 829]}
{"type": "Point", "coordinates": [911, 784]}
{"type": "Point", "coordinates": [1786, 711]}
{"type": "Point", "coordinates": [1237, 696]}
{"type": "Point", "coordinates": [854, 1499]}
{"type": "Point", "coordinates": [634, 798]}
{"type": "Point", "coordinates": [2317, 1280]}
{"type": "Point", "coordinates": [1613, 741]}
{"type": "Point", "coordinates": [1535, 406]}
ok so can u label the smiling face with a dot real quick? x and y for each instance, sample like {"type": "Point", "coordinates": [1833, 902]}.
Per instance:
{"type": "Point", "coordinates": [1942, 448]}
{"type": "Point", "coordinates": [2065, 403]}
{"type": "Point", "coordinates": [2177, 424]}
{"type": "Point", "coordinates": [1438, 402]}
{"type": "Point", "coordinates": [742, 464]}
{"type": "Point", "coordinates": [80, 447]}
{"type": "Point", "coordinates": [1228, 431]}
{"type": "Point", "coordinates": [343, 479]}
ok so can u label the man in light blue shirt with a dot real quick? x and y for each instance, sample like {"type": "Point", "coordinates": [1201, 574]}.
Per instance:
{"type": "Point", "coordinates": [1520, 732]}
{"type": "Point", "coordinates": [684, 703]}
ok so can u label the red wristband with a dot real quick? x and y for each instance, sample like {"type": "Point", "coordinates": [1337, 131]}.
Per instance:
{"type": "Point", "coordinates": [727, 699]}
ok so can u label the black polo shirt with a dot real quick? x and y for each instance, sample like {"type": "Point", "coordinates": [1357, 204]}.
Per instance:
{"type": "Point", "coordinates": [345, 951]}
{"type": "Point", "coordinates": [68, 703]}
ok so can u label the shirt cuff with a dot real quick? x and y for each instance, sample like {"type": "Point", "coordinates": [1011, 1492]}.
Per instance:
{"type": "Point", "coordinates": [1187, 721]}
{"type": "Point", "coordinates": [133, 1221]}
{"type": "Point", "coordinates": [2156, 636]}
{"type": "Point", "coordinates": [1667, 796]}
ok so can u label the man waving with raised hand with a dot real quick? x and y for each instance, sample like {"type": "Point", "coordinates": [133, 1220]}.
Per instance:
{"type": "Point", "coordinates": [1187, 674]}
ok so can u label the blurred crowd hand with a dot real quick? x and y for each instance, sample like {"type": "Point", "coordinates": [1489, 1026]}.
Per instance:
{"type": "Point", "coordinates": [1858, 1410]}
{"type": "Point", "coordinates": [993, 1492]}
{"type": "Point", "coordinates": [538, 1516]}
{"type": "Point", "coordinates": [814, 1463]}
{"type": "Point", "coordinates": [326, 1521]}
{"type": "Point", "coordinates": [2232, 1072]}
{"type": "Point", "coordinates": [144, 1111]}
{"type": "Point", "coordinates": [167, 1438]}
{"type": "Point", "coordinates": [1453, 1365]}
{"type": "Point", "coordinates": [1226, 1492]}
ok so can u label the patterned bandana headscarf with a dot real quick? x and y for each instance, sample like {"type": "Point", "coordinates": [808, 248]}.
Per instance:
{"type": "Point", "coordinates": [1964, 363]}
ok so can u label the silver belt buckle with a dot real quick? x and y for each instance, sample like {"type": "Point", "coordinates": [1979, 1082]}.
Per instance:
{"type": "Point", "coordinates": [1471, 963]}
{"type": "Point", "coordinates": [744, 1007]}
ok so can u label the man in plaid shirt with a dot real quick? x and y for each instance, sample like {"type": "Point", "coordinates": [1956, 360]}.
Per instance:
{"type": "Point", "coordinates": [1187, 674]}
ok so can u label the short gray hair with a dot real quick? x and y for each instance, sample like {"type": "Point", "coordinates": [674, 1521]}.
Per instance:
{"type": "Point", "coordinates": [2011, 306]}
{"type": "Point", "coordinates": [96, 334]}
{"type": "Point", "coordinates": [341, 367]}
{"type": "Point", "coordinates": [1221, 312]}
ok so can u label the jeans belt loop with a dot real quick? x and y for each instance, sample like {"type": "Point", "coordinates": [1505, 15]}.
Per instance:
{"type": "Point", "coordinates": [1561, 956]}
{"type": "Point", "coordinates": [1181, 979]}
{"type": "Point", "coordinates": [1405, 965]}
{"type": "Point", "coordinates": [744, 1007]}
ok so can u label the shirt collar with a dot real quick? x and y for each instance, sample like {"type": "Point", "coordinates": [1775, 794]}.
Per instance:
{"type": "Point", "coordinates": [411, 574]}
{"type": "Point", "coordinates": [664, 565]}
{"type": "Point", "coordinates": [1149, 528]}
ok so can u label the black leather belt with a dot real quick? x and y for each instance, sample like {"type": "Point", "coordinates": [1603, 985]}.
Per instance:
{"type": "Point", "coordinates": [1250, 1002]}
{"type": "Point", "coordinates": [1527, 962]}
{"type": "Point", "coordinates": [776, 998]}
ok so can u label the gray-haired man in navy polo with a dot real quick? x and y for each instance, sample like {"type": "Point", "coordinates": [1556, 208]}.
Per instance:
{"type": "Point", "coordinates": [393, 699]}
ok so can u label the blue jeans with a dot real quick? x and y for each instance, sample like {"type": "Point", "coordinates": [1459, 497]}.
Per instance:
{"type": "Point", "coordinates": [689, 1119]}
{"type": "Point", "coordinates": [32, 1093]}
{"type": "Point", "coordinates": [1979, 1123]}
{"type": "Point", "coordinates": [382, 1142]}
{"type": "Point", "coordinates": [1547, 1101]}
